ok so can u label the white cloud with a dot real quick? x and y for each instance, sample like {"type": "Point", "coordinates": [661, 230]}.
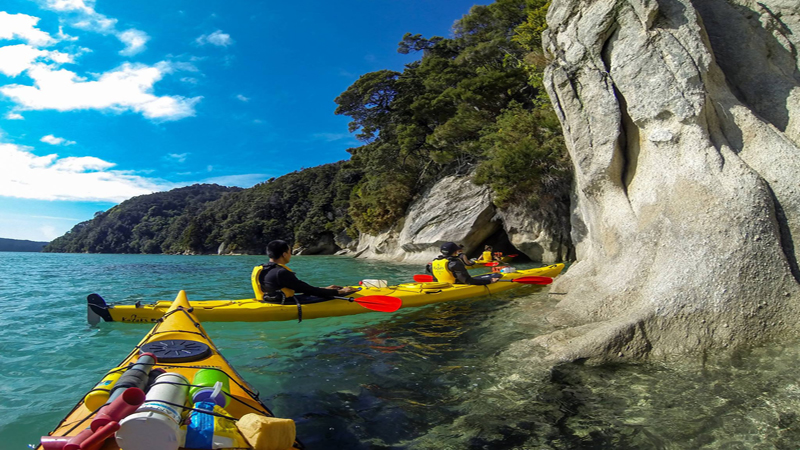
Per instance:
{"type": "Point", "coordinates": [179, 157]}
{"type": "Point", "coordinates": [217, 38]}
{"type": "Point", "coordinates": [127, 88]}
{"type": "Point", "coordinates": [49, 232]}
{"type": "Point", "coordinates": [243, 98]}
{"type": "Point", "coordinates": [65, 37]}
{"type": "Point", "coordinates": [14, 116]}
{"type": "Point", "coordinates": [52, 140]}
{"type": "Point", "coordinates": [134, 40]}
{"type": "Point", "coordinates": [25, 175]}
{"type": "Point", "coordinates": [70, 5]}
{"type": "Point", "coordinates": [85, 17]}
{"type": "Point", "coordinates": [15, 59]}
{"type": "Point", "coordinates": [23, 26]}
{"type": "Point", "coordinates": [244, 180]}
{"type": "Point", "coordinates": [331, 137]}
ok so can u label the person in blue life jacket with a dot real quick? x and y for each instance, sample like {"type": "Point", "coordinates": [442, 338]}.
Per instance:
{"type": "Point", "coordinates": [280, 283]}
{"type": "Point", "coordinates": [449, 268]}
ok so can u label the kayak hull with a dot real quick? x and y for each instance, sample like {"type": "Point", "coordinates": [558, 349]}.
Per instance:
{"type": "Point", "coordinates": [178, 324]}
{"type": "Point", "coordinates": [253, 310]}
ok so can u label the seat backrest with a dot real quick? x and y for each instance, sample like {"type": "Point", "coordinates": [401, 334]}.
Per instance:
{"type": "Point", "coordinates": [255, 279]}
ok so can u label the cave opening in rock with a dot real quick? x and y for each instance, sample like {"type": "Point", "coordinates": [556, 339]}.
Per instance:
{"type": "Point", "coordinates": [500, 243]}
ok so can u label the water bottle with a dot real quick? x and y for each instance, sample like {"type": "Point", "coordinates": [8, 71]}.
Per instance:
{"type": "Point", "coordinates": [98, 396]}
{"type": "Point", "coordinates": [205, 388]}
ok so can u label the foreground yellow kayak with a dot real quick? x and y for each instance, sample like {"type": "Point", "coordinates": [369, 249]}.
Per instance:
{"type": "Point", "coordinates": [179, 367]}
{"type": "Point", "coordinates": [255, 310]}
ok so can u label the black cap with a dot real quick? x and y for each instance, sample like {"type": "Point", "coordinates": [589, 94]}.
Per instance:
{"type": "Point", "coordinates": [448, 248]}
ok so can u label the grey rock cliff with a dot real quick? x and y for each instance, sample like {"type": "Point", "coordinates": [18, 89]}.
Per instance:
{"type": "Point", "coordinates": [457, 210]}
{"type": "Point", "coordinates": [454, 209]}
{"type": "Point", "coordinates": [682, 119]}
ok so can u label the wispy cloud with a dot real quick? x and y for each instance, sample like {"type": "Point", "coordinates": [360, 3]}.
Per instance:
{"type": "Point", "coordinates": [242, 98]}
{"type": "Point", "coordinates": [82, 15]}
{"type": "Point", "coordinates": [54, 218]}
{"type": "Point", "coordinates": [134, 41]}
{"type": "Point", "coordinates": [52, 140]}
{"type": "Point", "coordinates": [14, 116]}
{"type": "Point", "coordinates": [25, 175]}
{"type": "Point", "coordinates": [126, 88]}
{"type": "Point", "coordinates": [217, 38]}
{"type": "Point", "coordinates": [23, 27]}
{"type": "Point", "coordinates": [244, 180]}
{"type": "Point", "coordinates": [179, 157]}
{"type": "Point", "coordinates": [331, 137]}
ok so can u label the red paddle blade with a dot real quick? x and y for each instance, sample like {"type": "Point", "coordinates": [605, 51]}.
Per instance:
{"type": "Point", "coordinates": [491, 264]}
{"type": "Point", "coordinates": [533, 280]}
{"type": "Point", "coordinates": [512, 256]}
{"type": "Point", "coordinates": [423, 278]}
{"type": "Point", "coordinates": [382, 303]}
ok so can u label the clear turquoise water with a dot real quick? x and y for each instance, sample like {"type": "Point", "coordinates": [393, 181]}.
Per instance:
{"type": "Point", "coordinates": [432, 377]}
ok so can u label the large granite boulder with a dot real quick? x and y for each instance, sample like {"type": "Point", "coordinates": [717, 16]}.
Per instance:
{"type": "Point", "coordinates": [682, 119]}
{"type": "Point", "coordinates": [454, 209]}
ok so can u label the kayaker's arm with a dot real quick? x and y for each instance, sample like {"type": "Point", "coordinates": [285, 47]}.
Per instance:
{"type": "Point", "coordinates": [289, 279]}
{"type": "Point", "coordinates": [462, 276]}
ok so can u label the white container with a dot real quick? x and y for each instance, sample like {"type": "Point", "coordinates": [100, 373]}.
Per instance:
{"type": "Point", "coordinates": [374, 283]}
{"type": "Point", "coordinates": [149, 430]}
{"type": "Point", "coordinates": [156, 424]}
{"type": "Point", "coordinates": [508, 269]}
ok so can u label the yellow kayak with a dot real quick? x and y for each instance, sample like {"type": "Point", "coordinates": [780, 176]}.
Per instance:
{"type": "Point", "coordinates": [256, 310]}
{"type": "Point", "coordinates": [180, 350]}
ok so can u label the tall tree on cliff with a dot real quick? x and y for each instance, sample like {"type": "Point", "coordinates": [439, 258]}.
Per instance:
{"type": "Point", "coordinates": [468, 103]}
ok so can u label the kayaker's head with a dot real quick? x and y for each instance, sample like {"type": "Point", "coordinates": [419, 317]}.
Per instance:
{"type": "Point", "coordinates": [279, 252]}
{"type": "Point", "coordinates": [449, 248]}
{"type": "Point", "coordinates": [487, 248]}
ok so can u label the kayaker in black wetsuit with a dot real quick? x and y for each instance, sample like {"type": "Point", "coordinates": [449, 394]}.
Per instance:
{"type": "Point", "coordinates": [279, 282]}
{"type": "Point", "coordinates": [449, 268]}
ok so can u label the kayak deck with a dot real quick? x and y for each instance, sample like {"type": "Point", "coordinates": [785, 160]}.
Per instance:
{"type": "Point", "coordinates": [253, 310]}
{"type": "Point", "coordinates": [178, 326]}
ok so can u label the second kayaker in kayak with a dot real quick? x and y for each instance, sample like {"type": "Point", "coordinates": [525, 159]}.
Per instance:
{"type": "Point", "coordinates": [279, 282]}
{"type": "Point", "coordinates": [449, 268]}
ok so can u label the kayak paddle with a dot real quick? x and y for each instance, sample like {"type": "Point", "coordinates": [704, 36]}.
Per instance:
{"type": "Point", "coordinates": [523, 280]}
{"type": "Point", "coordinates": [531, 280]}
{"type": "Point", "coordinates": [382, 303]}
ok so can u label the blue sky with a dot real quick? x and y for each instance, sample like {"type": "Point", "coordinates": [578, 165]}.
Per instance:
{"type": "Point", "coordinates": [104, 100]}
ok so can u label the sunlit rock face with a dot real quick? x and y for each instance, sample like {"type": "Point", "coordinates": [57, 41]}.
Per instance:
{"type": "Point", "coordinates": [454, 209]}
{"type": "Point", "coordinates": [682, 119]}
{"type": "Point", "coordinates": [457, 210]}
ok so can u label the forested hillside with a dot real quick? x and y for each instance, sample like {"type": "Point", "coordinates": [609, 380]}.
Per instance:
{"type": "Point", "coordinates": [154, 223]}
{"type": "Point", "coordinates": [17, 245]}
{"type": "Point", "coordinates": [473, 103]}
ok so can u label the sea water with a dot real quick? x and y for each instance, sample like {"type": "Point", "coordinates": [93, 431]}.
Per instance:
{"type": "Point", "coordinates": [454, 375]}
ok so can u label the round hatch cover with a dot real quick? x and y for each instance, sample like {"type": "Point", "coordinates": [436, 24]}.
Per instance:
{"type": "Point", "coordinates": [177, 350]}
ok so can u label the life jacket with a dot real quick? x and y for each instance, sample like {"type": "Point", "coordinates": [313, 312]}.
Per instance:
{"type": "Point", "coordinates": [264, 292]}
{"type": "Point", "coordinates": [486, 256]}
{"type": "Point", "coordinates": [441, 271]}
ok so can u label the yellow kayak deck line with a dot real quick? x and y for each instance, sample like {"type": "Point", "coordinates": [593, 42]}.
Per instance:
{"type": "Point", "coordinates": [179, 324]}
{"type": "Point", "coordinates": [254, 310]}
